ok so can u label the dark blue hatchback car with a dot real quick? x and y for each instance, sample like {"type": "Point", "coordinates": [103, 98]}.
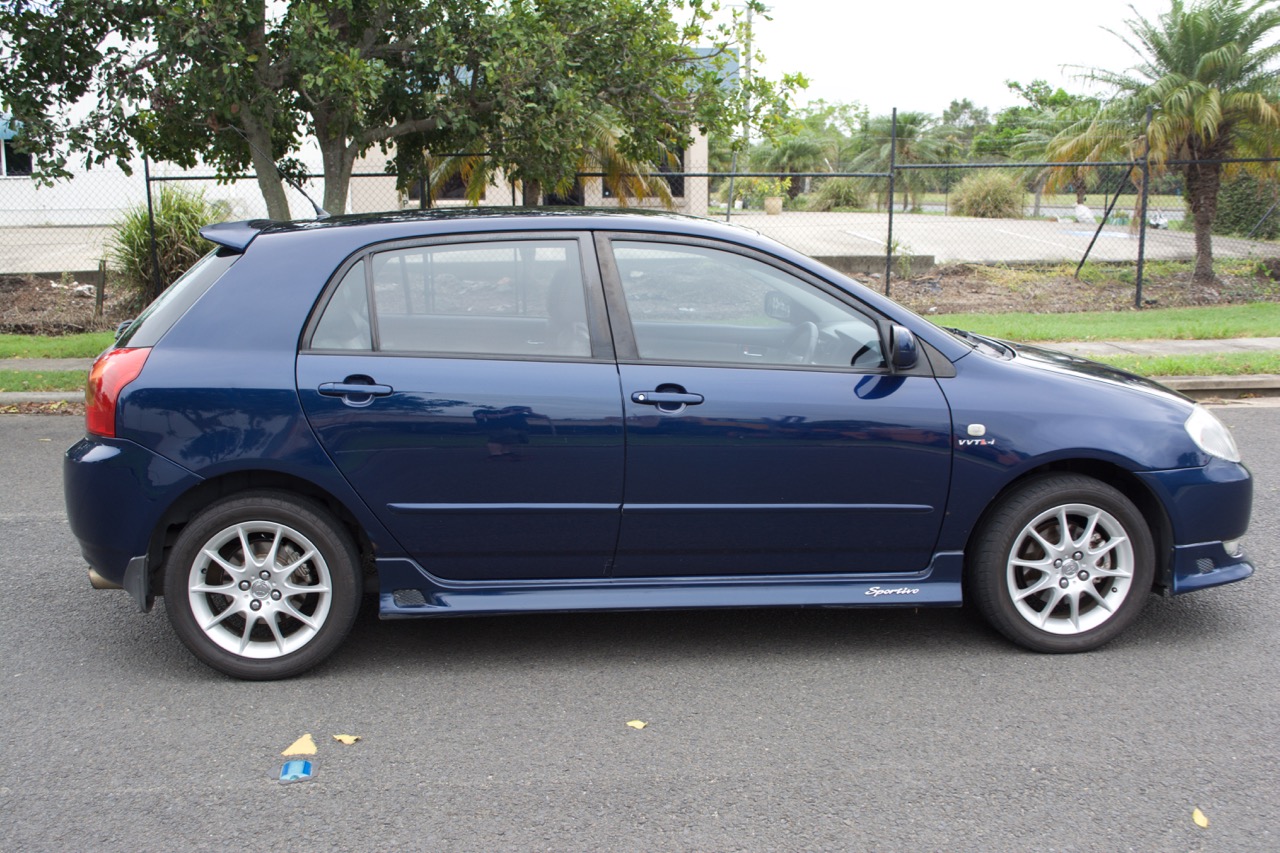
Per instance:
{"type": "Point", "coordinates": [514, 410]}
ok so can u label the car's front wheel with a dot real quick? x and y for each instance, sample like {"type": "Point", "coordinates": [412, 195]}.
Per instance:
{"type": "Point", "coordinates": [1064, 564]}
{"type": "Point", "coordinates": [263, 585]}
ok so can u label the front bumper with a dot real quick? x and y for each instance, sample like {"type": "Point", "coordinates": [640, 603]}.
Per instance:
{"type": "Point", "coordinates": [1206, 507]}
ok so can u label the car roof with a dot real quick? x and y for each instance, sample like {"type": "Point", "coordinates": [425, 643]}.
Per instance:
{"type": "Point", "coordinates": [238, 235]}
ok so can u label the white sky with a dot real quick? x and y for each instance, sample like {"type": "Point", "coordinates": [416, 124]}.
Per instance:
{"type": "Point", "coordinates": [919, 55]}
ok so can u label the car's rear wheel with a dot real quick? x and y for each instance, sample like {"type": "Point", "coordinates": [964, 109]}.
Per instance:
{"type": "Point", "coordinates": [262, 586]}
{"type": "Point", "coordinates": [1064, 564]}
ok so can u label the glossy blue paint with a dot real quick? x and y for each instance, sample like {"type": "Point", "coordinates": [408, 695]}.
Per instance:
{"type": "Point", "coordinates": [1205, 503]}
{"type": "Point", "coordinates": [938, 585]}
{"type": "Point", "coordinates": [484, 485]}
{"type": "Point", "coordinates": [838, 480]}
{"type": "Point", "coordinates": [1033, 416]}
{"type": "Point", "coordinates": [116, 494]}
{"type": "Point", "coordinates": [489, 435]}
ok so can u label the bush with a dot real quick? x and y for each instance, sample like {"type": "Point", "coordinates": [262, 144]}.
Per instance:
{"type": "Point", "coordinates": [832, 193]}
{"type": "Point", "coordinates": [179, 217]}
{"type": "Point", "coordinates": [990, 195]}
{"type": "Point", "coordinates": [1242, 202]}
{"type": "Point", "coordinates": [753, 191]}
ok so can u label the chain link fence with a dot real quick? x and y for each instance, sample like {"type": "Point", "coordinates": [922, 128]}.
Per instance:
{"type": "Point", "coordinates": [908, 222]}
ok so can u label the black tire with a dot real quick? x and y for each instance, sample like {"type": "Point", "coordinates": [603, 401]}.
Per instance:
{"type": "Point", "coordinates": [279, 617]}
{"type": "Point", "coordinates": [1024, 576]}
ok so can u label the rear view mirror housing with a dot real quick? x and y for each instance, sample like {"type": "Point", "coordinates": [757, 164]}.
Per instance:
{"type": "Point", "coordinates": [903, 349]}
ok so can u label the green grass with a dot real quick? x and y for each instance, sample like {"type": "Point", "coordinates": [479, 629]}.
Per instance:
{"type": "Point", "coordinates": [44, 380]}
{"type": "Point", "coordinates": [1258, 319]}
{"type": "Point", "coordinates": [85, 345]}
{"type": "Point", "coordinates": [1220, 364]}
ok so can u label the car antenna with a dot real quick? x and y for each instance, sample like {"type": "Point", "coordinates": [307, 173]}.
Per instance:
{"type": "Point", "coordinates": [321, 213]}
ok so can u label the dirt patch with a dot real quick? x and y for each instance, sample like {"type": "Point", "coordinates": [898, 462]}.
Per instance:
{"type": "Point", "coordinates": [40, 306]}
{"type": "Point", "coordinates": [962, 288]}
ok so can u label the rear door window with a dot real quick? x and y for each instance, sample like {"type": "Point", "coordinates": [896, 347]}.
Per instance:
{"type": "Point", "coordinates": [488, 298]}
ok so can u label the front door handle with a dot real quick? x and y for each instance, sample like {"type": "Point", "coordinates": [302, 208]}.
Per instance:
{"type": "Point", "coordinates": [669, 398]}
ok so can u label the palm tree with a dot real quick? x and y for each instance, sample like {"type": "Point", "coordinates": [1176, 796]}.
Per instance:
{"type": "Point", "coordinates": [601, 152]}
{"type": "Point", "coordinates": [1207, 72]}
{"type": "Point", "coordinates": [914, 145]}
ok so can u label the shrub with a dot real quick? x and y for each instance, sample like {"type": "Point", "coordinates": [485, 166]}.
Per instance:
{"type": "Point", "coordinates": [179, 217]}
{"type": "Point", "coordinates": [1242, 202]}
{"type": "Point", "coordinates": [753, 191]}
{"type": "Point", "coordinates": [832, 193]}
{"type": "Point", "coordinates": [990, 195]}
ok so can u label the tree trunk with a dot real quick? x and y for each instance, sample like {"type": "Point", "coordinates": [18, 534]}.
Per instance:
{"type": "Point", "coordinates": [338, 161]}
{"type": "Point", "coordinates": [258, 123]}
{"type": "Point", "coordinates": [531, 193]}
{"type": "Point", "coordinates": [1203, 181]}
{"type": "Point", "coordinates": [338, 157]}
{"type": "Point", "coordinates": [269, 183]}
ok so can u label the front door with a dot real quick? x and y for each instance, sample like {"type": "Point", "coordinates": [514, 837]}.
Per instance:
{"type": "Point", "coordinates": [765, 431]}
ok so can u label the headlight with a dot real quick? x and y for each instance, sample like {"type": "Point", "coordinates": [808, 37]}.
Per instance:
{"type": "Point", "coordinates": [1211, 436]}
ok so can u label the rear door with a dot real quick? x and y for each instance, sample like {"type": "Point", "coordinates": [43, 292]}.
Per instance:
{"type": "Point", "coordinates": [467, 390]}
{"type": "Point", "coordinates": [765, 432]}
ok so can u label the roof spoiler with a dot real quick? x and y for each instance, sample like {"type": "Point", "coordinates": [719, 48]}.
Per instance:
{"type": "Point", "coordinates": [235, 236]}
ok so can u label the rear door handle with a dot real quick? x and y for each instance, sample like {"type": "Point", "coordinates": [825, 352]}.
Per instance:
{"type": "Point", "coordinates": [659, 398]}
{"type": "Point", "coordinates": [353, 389]}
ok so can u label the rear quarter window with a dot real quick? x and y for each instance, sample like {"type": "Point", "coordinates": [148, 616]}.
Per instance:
{"type": "Point", "coordinates": [160, 315]}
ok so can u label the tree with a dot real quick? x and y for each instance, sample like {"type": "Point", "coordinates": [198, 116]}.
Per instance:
{"type": "Point", "coordinates": [1207, 71]}
{"type": "Point", "coordinates": [960, 123]}
{"type": "Point", "coordinates": [915, 144]}
{"type": "Point", "coordinates": [999, 140]}
{"type": "Point", "coordinates": [242, 84]}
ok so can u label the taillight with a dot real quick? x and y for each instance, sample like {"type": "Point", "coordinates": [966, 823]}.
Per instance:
{"type": "Point", "coordinates": [112, 371]}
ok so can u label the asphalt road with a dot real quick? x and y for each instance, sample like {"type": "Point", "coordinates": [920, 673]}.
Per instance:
{"type": "Point", "coordinates": [767, 730]}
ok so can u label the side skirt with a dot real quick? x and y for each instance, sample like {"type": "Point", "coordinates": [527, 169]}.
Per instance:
{"type": "Point", "coordinates": [406, 591]}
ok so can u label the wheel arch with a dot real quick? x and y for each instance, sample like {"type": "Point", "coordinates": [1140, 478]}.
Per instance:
{"type": "Point", "coordinates": [182, 510]}
{"type": "Point", "coordinates": [1122, 480]}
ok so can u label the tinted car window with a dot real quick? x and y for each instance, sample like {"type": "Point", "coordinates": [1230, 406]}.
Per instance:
{"type": "Point", "coordinates": [152, 323]}
{"type": "Point", "coordinates": [697, 304]}
{"type": "Point", "coordinates": [345, 324]}
{"type": "Point", "coordinates": [522, 298]}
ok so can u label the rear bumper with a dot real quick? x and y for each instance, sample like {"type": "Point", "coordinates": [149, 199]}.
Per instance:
{"type": "Point", "coordinates": [116, 493]}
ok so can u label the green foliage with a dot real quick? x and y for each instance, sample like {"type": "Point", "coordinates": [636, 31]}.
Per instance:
{"type": "Point", "coordinates": [1242, 202]}
{"type": "Point", "coordinates": [243, 85]}
{"type": "Point", "coordinates": [1208, 69]}
{"type": "Point", "coordinates": [179, 216]}
{"type": "Point", "coordinates": [912, 141]}
{"type": "Point", "coordinates": [753, 191]}
{"type": "Point", "coordinates": [836, 193]}
{"type": "Point", "coordinates": [989, 194]}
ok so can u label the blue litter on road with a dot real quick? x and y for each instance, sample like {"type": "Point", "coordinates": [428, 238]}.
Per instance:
{"type": "Point", "coordinates": [296, 771]}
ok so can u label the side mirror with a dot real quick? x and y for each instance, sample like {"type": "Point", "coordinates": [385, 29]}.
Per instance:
{"type": "Point", "coordinates": [903, 348]}
{"type": "Point", "coordinates": [777, 306]}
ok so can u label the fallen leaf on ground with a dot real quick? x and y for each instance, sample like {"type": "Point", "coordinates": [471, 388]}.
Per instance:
{"type": "Point", "coordinates": [637, 724]}
{"type": "Point", "coordinates": [347, 739]}
{"type": "Point", "coordinates": [305, 745]}
{"type": "Point", "coordinates": [1199, 818]}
